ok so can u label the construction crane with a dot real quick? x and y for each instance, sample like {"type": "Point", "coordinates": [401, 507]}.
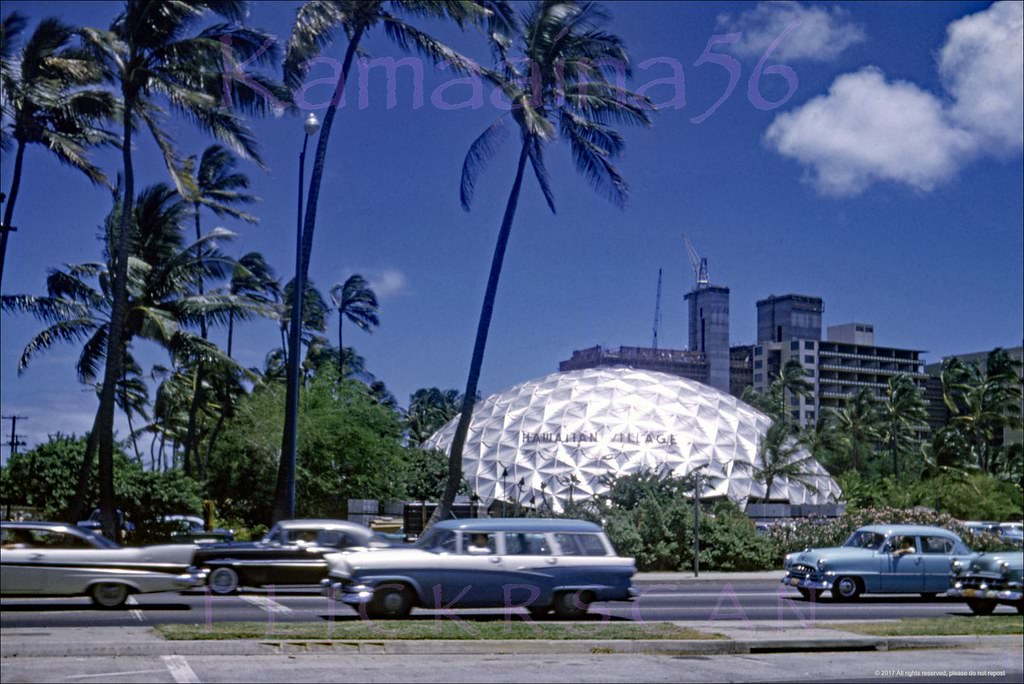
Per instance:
{"type": "Point", "coordinates": [698, 263]}
{"type": "Point", "coordinates": [657, 313]}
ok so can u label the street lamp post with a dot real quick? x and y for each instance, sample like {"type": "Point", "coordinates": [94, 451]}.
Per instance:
{"type": "Point", "coordinates": [291, 414]}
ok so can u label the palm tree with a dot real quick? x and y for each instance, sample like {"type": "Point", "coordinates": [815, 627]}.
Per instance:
{"type": "Point", "coordinates": [317, 23]}
{"type": "Point", "coordinates": [782, 456]}
{"type": "Point", "coordinates": [429, 410]}
{"type": "Point", "coordinates": [49, 99]}
{"type": "Point", "coordinates": [858, 425]}
{"type": "Point", "coordinates": [565, 85]}
{"type": "Point", "coordinates": [903, 416]}
{"type": "Point", "coordinates": [152, 57]}
{"type": "Point", "coordinates": [79, 302]}
{"type": "Point", "coordinates": [355, 301]}
{"type": "Point", "coordinates": [216, 186]}
{"type": "Point", "coordinates": [252, 279]}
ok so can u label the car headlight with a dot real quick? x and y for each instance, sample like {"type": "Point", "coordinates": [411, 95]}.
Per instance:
{"type": "Point", "coordinates": [955, 565]}
{"type": "Point", "coordinates": [821, 563]}
{"type": "Point", "coordinates": [1004, 568]}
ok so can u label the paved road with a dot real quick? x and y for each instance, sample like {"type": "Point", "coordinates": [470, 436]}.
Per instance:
{"type": "Point", "coordinates": [709, 601]}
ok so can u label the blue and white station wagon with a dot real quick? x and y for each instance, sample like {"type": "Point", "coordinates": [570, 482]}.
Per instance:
{"type": "Point", "coordinates": [885, 559]}
{"type": "Point", "coordinates": [538, 564]}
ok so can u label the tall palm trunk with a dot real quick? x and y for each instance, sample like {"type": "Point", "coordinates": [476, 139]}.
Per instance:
{"type": "Point", "coordinates": [191, 445]}
{"type": "Point", "coordinates": [5, 229]}
{"type": "Point", "coordinates": [115, 360]}
{"type": "Point", "coordinates": [443, 510]}
{"type": "Point", "coordinates": [281, 495]}
{"type": "Point", "coordinates": [231, 330]}
{"type": "Point", "coordinates": [341, 348]}
{"type": "Point", "coordinates": [76, 509]}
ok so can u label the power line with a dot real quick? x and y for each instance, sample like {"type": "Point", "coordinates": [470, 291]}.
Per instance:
{"type": "Point", "coordinates": [16, 440]}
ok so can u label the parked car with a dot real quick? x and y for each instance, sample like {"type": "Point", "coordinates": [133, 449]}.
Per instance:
{"type": "Point", "coordinates": [1013, 533]}
{"type": "Point", "coordinates": [60, 559]}
{"type": "Point", "coordinates": [292, 552]}
{"type": "Point", "coordinates": [887, 559]}
{"type": "Point", "coordinates": [189, 529]}
{"type": "Point", "coordinates": [989, 579]}
{"type": "Point", "coordinates": [542, 565]}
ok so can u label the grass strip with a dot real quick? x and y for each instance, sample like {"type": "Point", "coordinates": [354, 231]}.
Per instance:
{"type": "Point", "coordinates": [978, 625]}
{"type": "Point", "coordinates": [446, 629]}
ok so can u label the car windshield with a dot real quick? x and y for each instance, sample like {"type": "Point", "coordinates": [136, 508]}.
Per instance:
{"type": "Point", "coordinates": [865, 540]}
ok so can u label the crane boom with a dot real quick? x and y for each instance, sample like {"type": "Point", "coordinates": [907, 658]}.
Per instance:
{"type": "Point", "coordinates": [657, 312]}
{"type": "Point", "coordinates": [698, 263]}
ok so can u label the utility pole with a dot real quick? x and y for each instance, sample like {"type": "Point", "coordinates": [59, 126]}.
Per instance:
{"type": "Point", "coordinates": [16, 439]}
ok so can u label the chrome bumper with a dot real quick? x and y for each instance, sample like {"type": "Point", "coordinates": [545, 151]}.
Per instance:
{"type": "Point", "coordinates": [1008, 595]}
{"type": "Point", "coordinates": [822, 584]}
{"type": "Point", "coordinates": [352, 595]}
{"type": "Point", "coordinates": [192, 578]}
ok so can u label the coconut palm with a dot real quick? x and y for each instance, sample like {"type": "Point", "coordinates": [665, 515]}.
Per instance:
{"type": "Point", "coordinates": [156, 56]}
{"type": "Point", "coordinates": [49, 99]}
{"type": "Point", "coordinates": [355, 301]}
{"type": "Point", "coordinates": [214, 184]}
{"type": "Point", "coordinates": [317, 24]}
{"type": "Point", "coordinates": [858, 424]}
{"type": "Point", "coordinates": [429, 410]}
{"type": "Point", "coordinates": [903, 415]}
{"type": "Point", "coordinates": [782, 456]}
{"type": "Point", "coordinates": [564, 86]}
{"type": "Point", "coordinates": [252, 279]}
{"type": "Point", "coordinates": [78, 305]}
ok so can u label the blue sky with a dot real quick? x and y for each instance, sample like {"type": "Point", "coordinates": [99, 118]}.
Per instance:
{"type": "Point", "coordinates": [888, 182]}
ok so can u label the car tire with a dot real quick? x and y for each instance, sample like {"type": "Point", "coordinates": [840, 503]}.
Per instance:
{"type": "Point", "coordinates": [223, 581]}
{"type": "Point", "coordinates": [846, 588]}
{"type": "Point", "coordinates": [809, 594]}
{"type": "Point", "coordinates": [571, 605]}
{"type": "Point", "coordinates": [390, 602]}
{"type": "Point", "coordinates": [980, 607]}
{"type": "Point", "coordinates": [108, 595]}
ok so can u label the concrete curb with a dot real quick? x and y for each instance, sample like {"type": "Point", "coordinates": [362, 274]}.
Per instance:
{"type": "Point", "coordinates": [26, 645]}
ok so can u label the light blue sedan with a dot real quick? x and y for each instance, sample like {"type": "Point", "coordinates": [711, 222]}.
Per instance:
{"type": "Point", "coordinates": [884, 559]}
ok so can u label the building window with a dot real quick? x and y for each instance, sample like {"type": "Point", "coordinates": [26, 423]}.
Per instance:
{"type": "Point", "coordinates": [808, 344]}
{"type": "Point", "coordinates": [758, 378]}
{"type": "Point", "coordinates": [809, 358]}
{"type": "Point", "coordinates": [794, 345]}
{"type": "Point", "coordinates": [758, 363]}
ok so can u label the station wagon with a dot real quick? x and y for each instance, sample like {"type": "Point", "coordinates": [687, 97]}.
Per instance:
{"type": "Point", "coordinates": [541, 565]}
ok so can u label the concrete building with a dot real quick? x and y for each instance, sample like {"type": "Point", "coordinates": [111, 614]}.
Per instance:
{"type": "Point", "coordinates": [709, 330]}
{"type": "Point", "coordinates": [789, 327]}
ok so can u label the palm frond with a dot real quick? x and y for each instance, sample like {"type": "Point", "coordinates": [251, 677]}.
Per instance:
{"type": "Point", "coordinates": [535, 150]}
{"type": "Point", "coordinates": [317, 24]}
{"type": "Point", "coordinates": [479, 153]}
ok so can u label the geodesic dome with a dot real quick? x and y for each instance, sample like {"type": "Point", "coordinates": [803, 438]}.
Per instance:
{"type": "Point", "coordinates": [545, 441]}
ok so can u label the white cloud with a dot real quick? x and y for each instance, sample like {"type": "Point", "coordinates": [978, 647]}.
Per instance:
{"type": "Point", "coordinates": [386, 282]}
{"type": "Point", "coordinates": [867, 129]}
{"type": "Point", "coordinates": [821, 34]}
{"type": "Point", "coordinates": [982, 67]}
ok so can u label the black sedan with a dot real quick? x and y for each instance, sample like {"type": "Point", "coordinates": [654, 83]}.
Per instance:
{"type": "Point", "coordinates": [292, 552]}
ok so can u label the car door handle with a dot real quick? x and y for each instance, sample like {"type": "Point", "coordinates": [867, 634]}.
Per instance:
{"type": "Point", "coordinates": [552, 561]}
{"type": "Point", "coordinates": [495, 559]}
{"type": "Point", "coordinates": [36, 556]}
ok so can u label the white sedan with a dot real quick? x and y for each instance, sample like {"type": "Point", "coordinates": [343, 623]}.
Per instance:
{"type": "Point", "coordinates": [58, 559]}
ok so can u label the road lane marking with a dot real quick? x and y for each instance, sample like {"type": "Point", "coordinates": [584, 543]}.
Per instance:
{"type": "Point", "coordinates": [136, 612]}
{"type": "Point", "coordinates": [111, 675]}
{"type": "Point", "coordinates": [179, 669]}
{"type": "Point", "coordinates": [264, 603]}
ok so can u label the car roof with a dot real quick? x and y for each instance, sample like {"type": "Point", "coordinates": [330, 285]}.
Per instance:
{"type": "Point", "coordinates": [519, 525]}
{"type": "Point", "coordinates": [321, 523]}
{"type": "Point", "coordinates": [29, 524]}
{"type": "Point", "coordinates": [907, 529]}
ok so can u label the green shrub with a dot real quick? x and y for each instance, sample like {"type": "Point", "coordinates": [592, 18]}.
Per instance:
{"type": "Point", "coordinates": [729, 541]}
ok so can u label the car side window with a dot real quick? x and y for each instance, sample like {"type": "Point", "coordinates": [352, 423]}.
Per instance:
{"type": "Point", "coordinates": [478, 543]}
{"type": "Point", "coordinates": [526, 544]}
{"type": "Point", "coordinates": [441, 541]}
{"type": "Point", "coordinates": [940, 545]}
{"type": "Point", "coordinates": [580, 544]}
